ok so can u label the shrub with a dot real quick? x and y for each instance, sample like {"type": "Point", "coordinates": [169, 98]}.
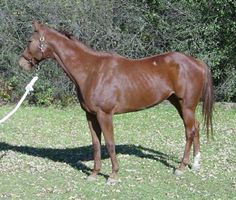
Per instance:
{"type": "Point", "coordinates": [135, 28]}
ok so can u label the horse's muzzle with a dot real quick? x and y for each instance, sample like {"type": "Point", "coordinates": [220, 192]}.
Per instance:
{"type": "Point", "coordinates": [25, 64]}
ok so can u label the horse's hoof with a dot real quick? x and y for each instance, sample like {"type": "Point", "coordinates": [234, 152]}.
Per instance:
{"type": "Point", "coordinates": [178, 172]}
{"type": "Point", "coordinates": [196, 167]}
{"type": "Point", "coordinates": [91, 178]}
{"type": "Point", "coordinates": [112, 181]}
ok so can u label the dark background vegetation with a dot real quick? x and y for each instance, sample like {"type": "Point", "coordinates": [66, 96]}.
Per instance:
{"type": "Point", "coordinates": [205, 29]}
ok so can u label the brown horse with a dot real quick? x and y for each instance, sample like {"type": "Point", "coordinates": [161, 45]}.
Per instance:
{"type": "Point", "coordinates": [108, 84]}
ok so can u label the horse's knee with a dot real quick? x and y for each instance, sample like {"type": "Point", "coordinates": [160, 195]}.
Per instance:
{"type": "Point", "coordinates": [96, 146]}
{"type": "Point", "coordinates": [110, 148]}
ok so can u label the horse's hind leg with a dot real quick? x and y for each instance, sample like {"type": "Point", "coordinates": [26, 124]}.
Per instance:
{"type": "Point", "coordinates": [178, 104]}
{"type": "Point", "coordinates": [196, 148]}
{"type": "Point", "coordinates": [190, 132]}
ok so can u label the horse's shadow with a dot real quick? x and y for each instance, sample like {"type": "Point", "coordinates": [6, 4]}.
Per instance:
{"type": "Point", "coordinates": [76, 156]}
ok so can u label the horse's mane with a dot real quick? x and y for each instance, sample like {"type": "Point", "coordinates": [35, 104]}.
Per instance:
{"type": "Point", "coordinates": [67, 34]}
{"type": "Point", "coordinates": [72, 37]}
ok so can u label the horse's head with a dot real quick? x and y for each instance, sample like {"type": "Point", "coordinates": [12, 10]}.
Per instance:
{"type": "Point", "coordinates": [37, 48]}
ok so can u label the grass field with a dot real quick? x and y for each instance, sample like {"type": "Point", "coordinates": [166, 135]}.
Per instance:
{"type": "Point", "coordinates": [45, 153]}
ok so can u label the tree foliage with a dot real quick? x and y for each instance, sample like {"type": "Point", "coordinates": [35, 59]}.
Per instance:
{"type": "Point", "coordinates": [135, 28]}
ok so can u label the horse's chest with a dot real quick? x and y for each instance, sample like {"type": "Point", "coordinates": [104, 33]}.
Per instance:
{"type": "Point", "coordinates": [89, 101]}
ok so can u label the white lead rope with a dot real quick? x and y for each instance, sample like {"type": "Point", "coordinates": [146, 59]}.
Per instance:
{"type": "Point", "coordinates": [28, 88]}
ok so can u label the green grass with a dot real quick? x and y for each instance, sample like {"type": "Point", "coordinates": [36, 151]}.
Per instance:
{"type": "Point", "coordinates": [45, 153]}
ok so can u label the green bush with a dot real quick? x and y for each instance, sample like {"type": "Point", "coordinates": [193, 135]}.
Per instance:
{"type": "Point", "coordinates": [136, 28]}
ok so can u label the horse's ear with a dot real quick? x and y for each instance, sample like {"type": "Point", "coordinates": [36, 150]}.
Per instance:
{"type": "Point", "coordinates": [37, 25]}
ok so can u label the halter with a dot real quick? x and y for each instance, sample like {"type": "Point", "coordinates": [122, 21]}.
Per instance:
{"type": "Point", "coordinates": [42, 49]}
{"type": "Point", "coordinates": [41, 43]}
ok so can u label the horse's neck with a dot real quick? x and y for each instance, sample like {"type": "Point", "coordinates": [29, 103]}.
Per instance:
{"type": "Point", "coordinates": [66, 49]}
{"type": "Point", "coordinates": [74, 57]}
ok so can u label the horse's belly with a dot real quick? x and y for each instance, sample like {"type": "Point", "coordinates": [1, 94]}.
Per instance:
{"type": "Point", "coordinates": [138, 100]}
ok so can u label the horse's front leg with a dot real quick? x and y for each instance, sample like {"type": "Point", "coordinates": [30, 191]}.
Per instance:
{"type": "Point", "coordinates": [96, 140]}
{"type": "Point", "coordinates": [105, 121]}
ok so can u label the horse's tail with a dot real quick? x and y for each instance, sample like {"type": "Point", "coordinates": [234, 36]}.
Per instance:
{"type": "Point", "coordinates": [208, 102]}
